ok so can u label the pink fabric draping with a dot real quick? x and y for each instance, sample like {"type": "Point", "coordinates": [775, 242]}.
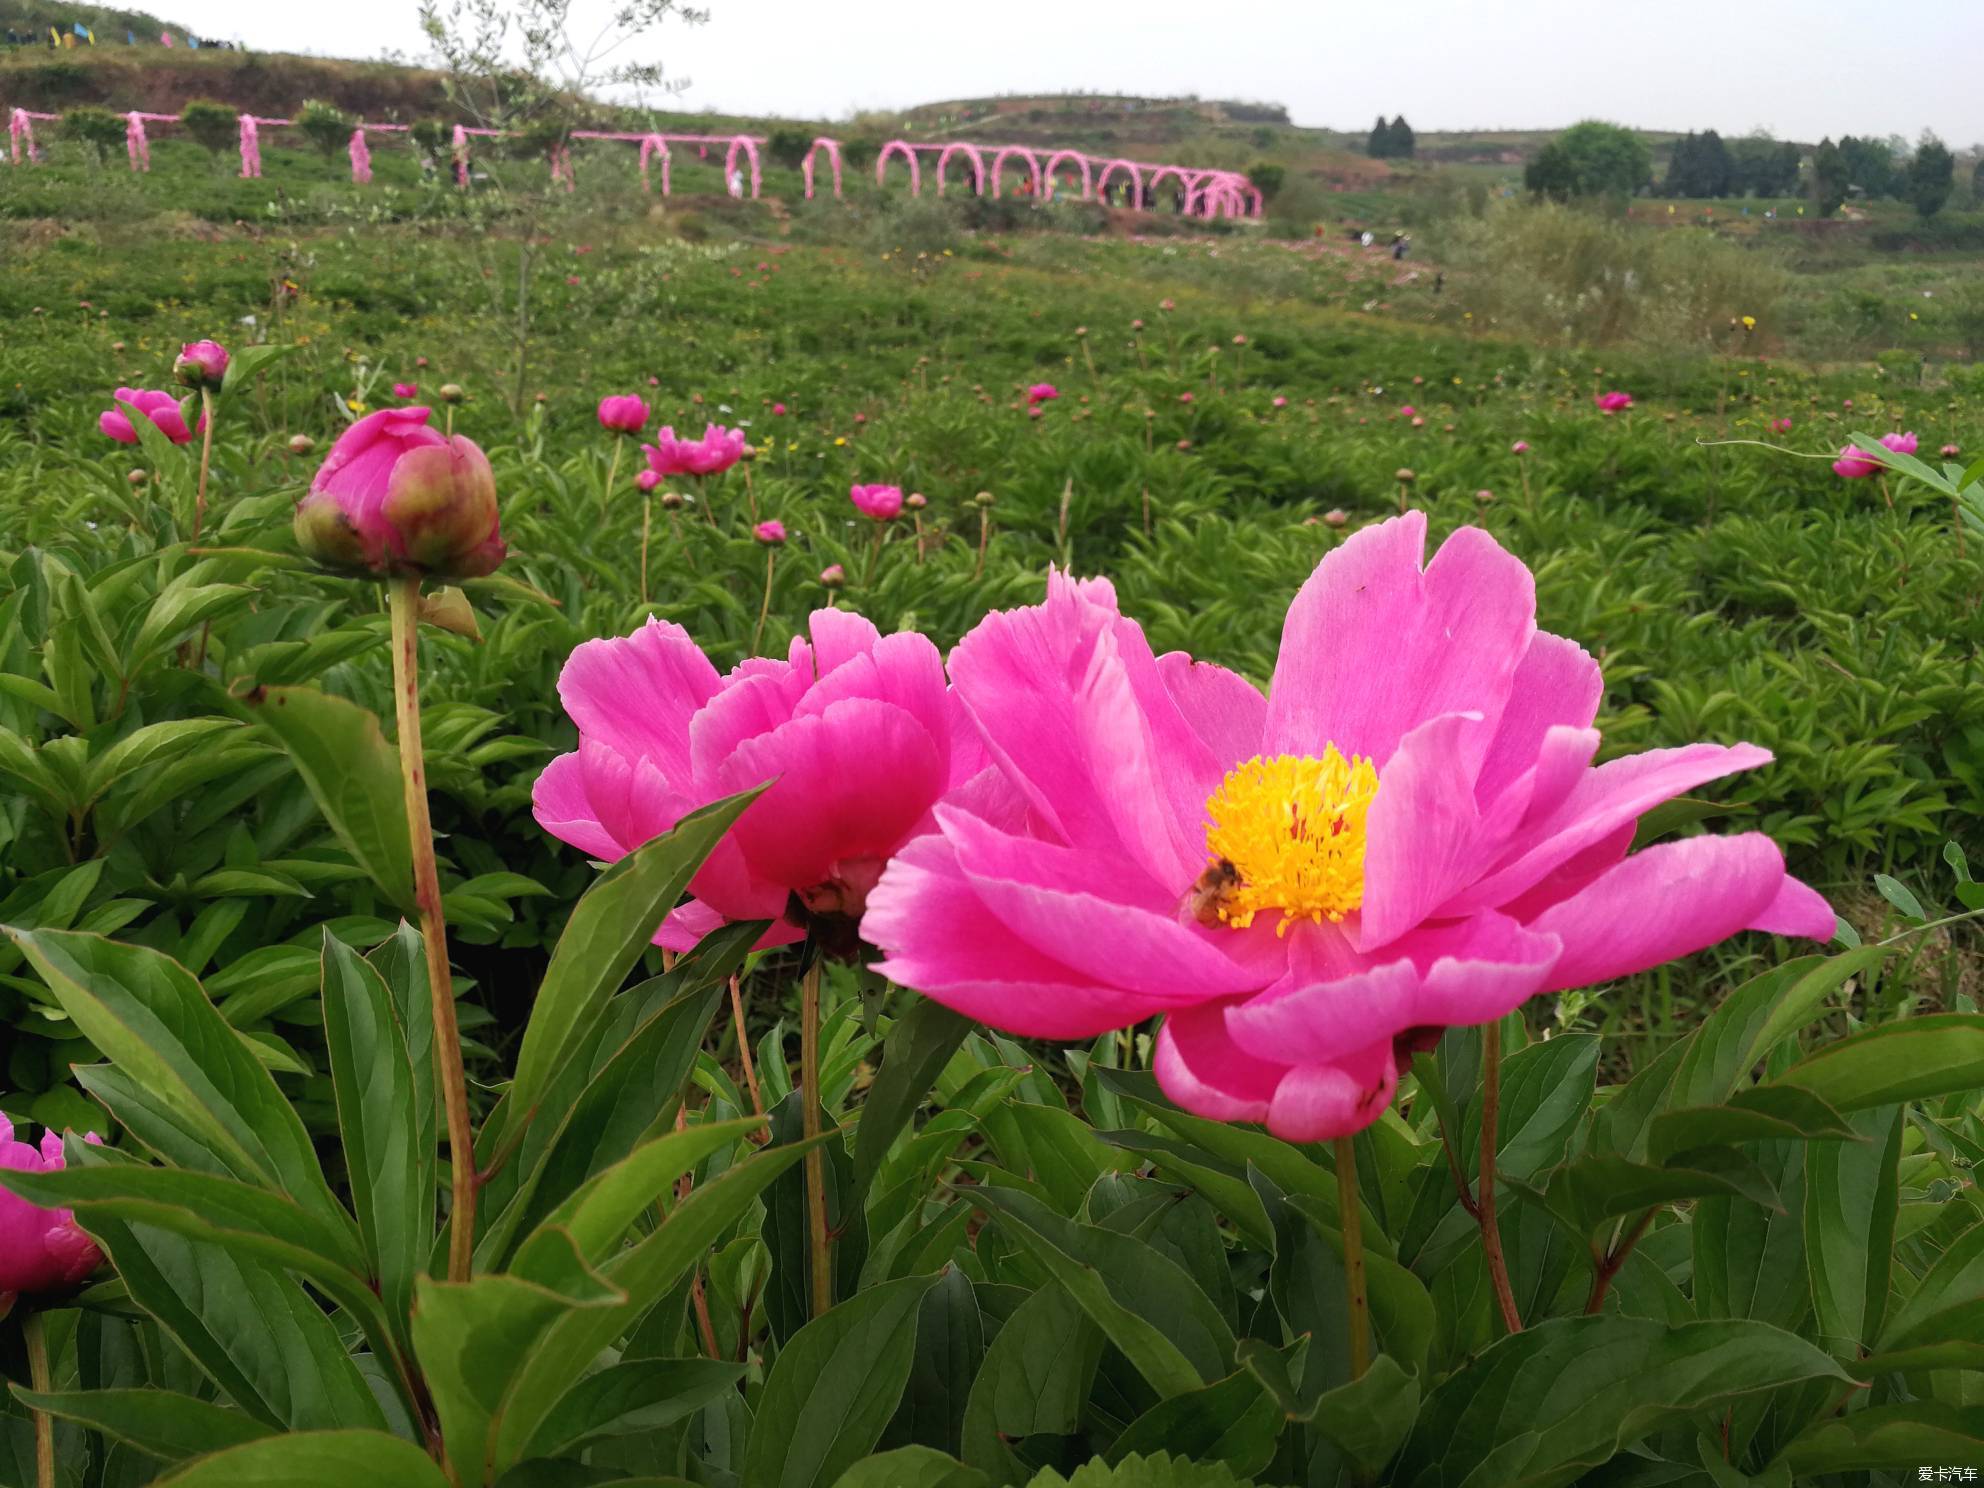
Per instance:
{"type": "Point", "coordinates": [20, 134]}
{"type": "Point", "coordinates": [361, 158]}
{"type": "Point", "coordinates": [136, 145]}
{"type": "Point", "coordinates": [461, 157]}
{"type": "Point", "coordinates": [908, 152]}
{"type": "Point", "coordinates": [832, 147]}
{"type": "Point", "coordinates": [749, 146]}
{"type": "Point", "coordinates": [970, 153]}
{"type": "Point", "coordinates": [561, 168]}
{"type": "Point", "coordinates": [652, 145]}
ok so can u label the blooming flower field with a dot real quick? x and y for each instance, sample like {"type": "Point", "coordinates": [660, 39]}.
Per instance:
{"type": "Point", "coordinates": [998, 862]}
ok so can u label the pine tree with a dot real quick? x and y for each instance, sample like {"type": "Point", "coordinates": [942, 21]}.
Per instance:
{"type": "Point", "coordinates": [1404, 142]}
{"type": "Point", "coordinates": [1380, 144]}
{"type": "Point", "coordinates": [1829, 177]}
{"type": "Point", "coordinates": [1931, 175]}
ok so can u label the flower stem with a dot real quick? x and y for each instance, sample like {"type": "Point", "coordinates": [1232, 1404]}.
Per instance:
{"type": "Point", "coordinates": [433, 928]}
{"type": "Point", "coordinates": [744, 1048]}
{"type": "Point", "coordinates": [1484, 1204]}
{"type": "Point", "coordinates": [206, 458]}
{"type": "Point", "coordinates": [1350, 1213]}
{"type": "Point", "coordinates": [36, 1338]}
{"type": "Point", "coordinates": [771, 559]}
{"type": "Point", "coordinates": [816, 1163]}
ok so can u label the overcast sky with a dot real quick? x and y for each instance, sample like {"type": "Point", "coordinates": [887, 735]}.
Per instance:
{"type": "Point", "coordinates": [1801, 68]}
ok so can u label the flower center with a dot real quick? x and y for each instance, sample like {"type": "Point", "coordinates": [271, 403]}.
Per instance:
{"type": "Point", "coordinates": [1286, 834]}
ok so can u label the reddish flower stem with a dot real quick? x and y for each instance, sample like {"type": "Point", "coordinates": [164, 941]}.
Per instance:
{"type": "Point", "coordinates": [1607, 1266]}
{"type": "Point", "coordinates": [36, 1338]}
{"type": "Point", "coordinates": [433, 927]}
{"type": "Point", "coordinates": [1491, 1234]}
{"type": "Point", "coordinates": [816, 1165]}
{"type": "Point", "coordinates": [1350, 1214]}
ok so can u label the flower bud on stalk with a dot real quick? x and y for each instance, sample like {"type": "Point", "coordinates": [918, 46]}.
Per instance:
{"type": "Point", "coordinates": [201, 364]}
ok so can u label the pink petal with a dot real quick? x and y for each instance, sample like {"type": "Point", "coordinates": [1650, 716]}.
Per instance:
{"type": "Point", "coordinates": [839, 635]}
{"type": "Point", "coordinates": [1556, 685]}
{"type": "Point", "coordinates": [1203, 1070]}
{"type": "Point", "coordinates": [1460, 974]}
{"type": "Point", "coordinates": [687, 924]}
{"type": "Point", "coordinates": [1603, 802]}
{"type": "Point", "coordinates": [115, 425]}
{"type": "Point", "coordinates": [1093, 912]}
{"type": "Point", "coordinates": [757, 697]}
{"type": "Point", "coordinates": [638, 693]}
{"type": "Point", "coordinates": [941, 939]}
{"type": "Point", "coordinates": [903, 669]}
{"type": "Point", "coordinates": [1798, 910]}
{"type": "Point", "coordinates": [1320, 1102]}
{"type": "Point", "coordinates": [850, 784]}
{"type": "Point", "coordinates": [1422, 839]}
{"type": "Point", "coordinates": [1226, 711]}
{"type": "Point", "coordinates": [1670, 900]}
{"type": "Point", "coordinates": [602, 803]}
{"type": "Point", "coordinates": [1373, 647]}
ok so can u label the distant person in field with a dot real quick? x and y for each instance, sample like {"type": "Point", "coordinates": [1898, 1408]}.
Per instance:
{"type": "Point", "coordinates": [736, 183]}
{"type": "Point", "coordinates": [1367, 238]}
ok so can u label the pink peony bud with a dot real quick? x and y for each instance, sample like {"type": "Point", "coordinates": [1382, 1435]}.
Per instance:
{"type": "Point", "coordinates": [161, 408]}
{"type": "Point", "coordinates": [626, 414]}
{"type": "Point", "coordinates": [395, 497]}
{"type": "Point", "coordinates": [770, 533]}
{"type": "Point", "coordinates": [301, 444]}
{"type": "Point", "coordinates": [647, 480]}
{"type": "Point", "coordinates": [880, 503]}
{"type": "Point", "coordinates": [1614, 402]}
{"type": "Point", "coordinates": [915, 501]}
{"type": "Point", "coordinates": [41, 1250]}
{"type": "Point", "coordinates": [406, 390]}
{"type": "Point", "coordinates": [1951, 451]}
{"type": "Point", "coordinates": [833, 576]}
{"type": "Point", "coordinates": [1520, 447]}
{"type": "Point", "coordinates": [201, 364]}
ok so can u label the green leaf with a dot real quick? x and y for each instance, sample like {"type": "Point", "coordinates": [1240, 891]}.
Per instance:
{"type": "Point", "coordinates": [353, 774]}
{"type": "Point", "coordinates": [1035, 1381]}
{"type": "Point", "coordinates": [1897, 1437]}
{"type": "Point", "coordinates": [643, 1272]}
{"type": "Point", "coordinates": [1369, 1418]}
{"type": "Point", "coordinates": [392, 1174]}
{"type": "Point", "coordinates": [160, 1423]}
{"type": "Point", "coordinates": [1234, 1421]}
{"type": "Point", "coordinates": [950, 1347]}
{"type": "Point", "coordinates": [1947, 1304]}
{"type": "Point", "coordinates": [1588, 1191]}
{"type": "Point", "coordinates": [833, 1388]}
{"type": "Point", "coordinates": [253, 1331]}
{"type": "Point", "coordinates": [911, 1467]}
{"type": "Point", "coordinates": [1540, 1406]}
{"type": "Point", "coordinates": [609, 929]}
{"type": "Point", "coordinates": [1756, 1114]}
{"type": "Point", "coordinates": [313, 1459]}
{"type": "Point", "coordinates": [1749, 1260]}
{"type": "Point", "coordinates": [1161, 1471]}
{"type": "Point", "coordinates": [149, 748]}
{"type": "Point", "coordinates": [475, 1338]}
{"type": "Point", "coordinates": [180, 608]}
{"type": "Point", "coordinates": [638, 1395]}
{"type": "Point", "coordinates": [1401, 1308]}
{"type": "Point", "coordinates": [249, 362]}
{"type": "Point", "coordinates": [148, 1014]}
{"type": "Point", "coordinates": [1850, 1205]}
{"type": "Point", "coordinates": [1144, 1301]}
{"type": "Point", "coordinates": [1910, 1060]}
{"type": "Point", "coordinates": [921, 1043]}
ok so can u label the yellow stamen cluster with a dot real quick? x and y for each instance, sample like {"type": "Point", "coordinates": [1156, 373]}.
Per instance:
{"type": "Point", "coordinates": [1287, 834]}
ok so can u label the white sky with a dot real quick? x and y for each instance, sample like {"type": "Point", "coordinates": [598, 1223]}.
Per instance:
{"type": "Point", "coordinates": [1802, 68]}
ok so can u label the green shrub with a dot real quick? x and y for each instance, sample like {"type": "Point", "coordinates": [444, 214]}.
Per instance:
{"type": "Point", "coordinates": [214, 126]}
{"type": "Point", "coordinates": [327, 127]}
{"type": "Point", "coordinates": [99, 129]}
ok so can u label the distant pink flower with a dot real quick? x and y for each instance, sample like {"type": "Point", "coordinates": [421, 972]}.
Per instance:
{"type": "Point", "coordinates": [1279, 401]}
{"type": "Point", "coordinates": [647, 480]}
{"type": "Point", "coordinates": [1951, 451]}
{"type": "Point", "coordinates": [1613, 402]}
{"type": "Point", "coordinates": [1407, 410]}
{"type": "Point", "coordinates": [571, 278]}
{"type": "Point", "coordinates": [1780, 426]}
{"type": "Point", "coordinates": [161, 408]}
{"type": "Point", "coordinates": [1520, 447]}
{"type": "Point", "coordinates": [771, 532]}
{"type": "Point", "coordinates": [856, 730]}
{"type": "Point", "coordinates": [1184, 397]}
{"type": "Point", "coordinates": [624, 414]}
{"type": "Point", "coordinates": [41, 1250]}
{"type": "Point", "coordinates": [861, 418]}
{"type": "Point", "coordinates": [1901, 444]}
{"type": "Point", "coordinates": [406, 390]}
{"type": "Point", "coordinates": [833, 576]}
{"type": "Point", "coordinates": [1042, 392]}
{"type": "Point", "coordinates": [881, 503]}
{"type": "Point", "coordinates": [778, 410]}
{"type": "Point", "coordinates": [1855, 463]}
{"type": "Point", "coordinates": [715, 452]}
{"type": "Point", "coordinates": [1453, 850]}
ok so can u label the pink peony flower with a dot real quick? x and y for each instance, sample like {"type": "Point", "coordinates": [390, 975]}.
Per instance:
{"type": "Point", "coordinates": [1406, 410]}
{"type": "Point", "coordinates": [1405, 834]}
{"type": "Point", "coordinates": [406, 390]}
{"type": "Point", "coordinates": [715, 452]}
{"type": "Point", "coordinates": [161, 408]}
{"type": "Point", "coordinates": [647, 480]}
{"type": "Point", "coordinates": [1951, 451]}
{"type": "Point", "coordinates": [1613, 402]}
{"type": "Point", "coordinates": [1184, 397]}
{"type": "Point", "coordinates": [1279, 401]}
{"type": "Point", "coordinates": [833, 576]}
{"type": "Point", "coordinates": [1780, 426]}
{"type": "Point", "coordinates": [201, 364]}
{"type": "Point", "coordinates": [771, 532]}
{"type": "Point", "coordinates": [778, 410]}
{"type": "Point", "coordinates": [1042, 392]}
{"type": "Point", "coordinates": [856, 731]}
{"type": "Point", "coordinates": [626, 414]}
{"type": "Point", "coordinates": [396, 497]}
{"type": "Point", "coordinates": [1520, 447]}
{"type": "Point", "coordinates": [1855, 463]}
{"type": "Point", "coordinates": [41, 1250]}
{"type": "Point", "coordinates": [882, 503]}
{"type": "Point", "coordinates": [1901, 444]}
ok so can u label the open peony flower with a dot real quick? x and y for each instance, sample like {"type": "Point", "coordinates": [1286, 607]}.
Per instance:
{"type": "Point", "coordinates": [1613, 402]}
{"type": "Point", "coordinates": [1041, 392]}
{"type": "Point", "coordinates": [856, 730]}
{"type": "Point", "coordinates": [715, 452]}
{"type": "Point", "coordinates": [161, 408]}
{"type": "Point", "coordinates": [624, 414]}
{"type": "Point", "coordinates": [880, 503]}
{"type": "Point", "coordinates": [41, 1250]}
{"type": "Point", "coordinates": [1406, 833]}
{"type": "Point", "coordinates": [1855, 463]}
{"type": "Point", "coordinates": [396, 497]}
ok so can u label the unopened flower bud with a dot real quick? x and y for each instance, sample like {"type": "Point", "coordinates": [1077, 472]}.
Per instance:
{"type": "Point", "coordinates": [301, 444]}
{"type": "Point", "coordinates": [201, 364]}
{"type": "Point", "coordinates": [451, 392]}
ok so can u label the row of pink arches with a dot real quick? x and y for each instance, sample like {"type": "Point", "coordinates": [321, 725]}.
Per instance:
{"type": "Point", "coordinates": [1198, 191]}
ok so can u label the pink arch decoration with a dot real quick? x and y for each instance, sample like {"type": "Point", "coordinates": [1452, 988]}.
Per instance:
{"type": "Point", "coordinates": [1176, 173]}
{"type": "Point", "coordinates": [652, 145]}
{"type": "Point", "coordinates": [749, 146]}
{"type": "Point", "coordinates": [900, 147]}
{"type": "Point", "coordinates": [832, 147]}
{"type": "Point", "coordinates": [1032, 162]}
{"type": "Point", "coordinates": [1136, 178]}
{"type": "Point", "coordinates": [1054, 160]}
{"type": "Point", "coordinates": [970, 153]}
